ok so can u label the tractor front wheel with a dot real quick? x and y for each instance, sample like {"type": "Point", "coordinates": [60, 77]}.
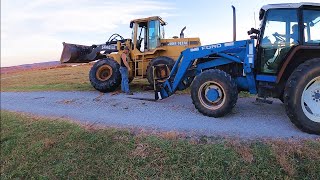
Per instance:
{"type": "Point", "coordinates": [105, 75]}
{"type": "Point", "coordinates": [302, 96]}
{"type": "Point", "coordinates": [214, 93]}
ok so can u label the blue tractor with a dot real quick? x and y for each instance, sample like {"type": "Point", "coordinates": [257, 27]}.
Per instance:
{"type": "Point", "coordinates": [280, 60]}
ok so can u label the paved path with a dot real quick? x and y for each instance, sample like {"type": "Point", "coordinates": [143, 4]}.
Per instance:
{"type": "Point", "coordinates": [177, 113]}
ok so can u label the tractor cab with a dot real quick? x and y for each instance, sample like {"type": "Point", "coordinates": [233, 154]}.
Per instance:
{"type": "Point", "coordinates": [147, 32]}
{"type": "Point", "coordinates": [283, 28]}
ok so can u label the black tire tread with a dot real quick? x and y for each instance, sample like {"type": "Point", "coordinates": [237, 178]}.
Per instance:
{"type": "Point", "coordinates": [153, 62]}
{"type": "Point", "coordinates": [112, 83]}
{"type": "Point", "coordinates": [291, 87]}
{"type": "Point", "coordinates": [231, 84]}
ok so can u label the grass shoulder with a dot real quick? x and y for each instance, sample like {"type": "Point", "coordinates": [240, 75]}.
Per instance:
{"type": "Point", "coordinates": [33, 147]}
{"type": "Point", "coordinates": [57, 79]}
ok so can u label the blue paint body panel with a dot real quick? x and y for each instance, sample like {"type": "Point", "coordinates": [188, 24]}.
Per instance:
{"type": "Point", "coordinates": [266, 78]}
{"type": "Point", "coordinates": [242, 83]}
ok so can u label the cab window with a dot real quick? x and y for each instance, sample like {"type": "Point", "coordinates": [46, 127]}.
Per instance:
{"type": "Point", "coordinates": [281, 31]}
{"type": "Point", "coordinates": [311, 21]}
{"type": "Point", "coordinates": [154, 34]}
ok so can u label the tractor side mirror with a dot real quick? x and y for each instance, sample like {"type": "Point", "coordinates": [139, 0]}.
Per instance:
{"type": "Point", "coordinates": [131, 24]}
{"type": "Point", "coordinates": [253, 31]}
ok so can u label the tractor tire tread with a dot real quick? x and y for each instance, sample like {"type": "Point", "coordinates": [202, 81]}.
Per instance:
{"type": "Point", "coordinates": [291, 87]}
{"type": "Point", "coordinates": [231, 87]}
{"type": "Point", "coordinates": [153, 62]}
{"type": "Point", "coordinates": [112, 83]}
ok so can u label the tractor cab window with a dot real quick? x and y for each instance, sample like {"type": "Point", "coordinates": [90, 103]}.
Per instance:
{"type": "Point", "coordinates": [311, 21]}
{"type": "Point", "coordinates": [281, 31]}
{"type": "Point", "coordinates": [154, 34]}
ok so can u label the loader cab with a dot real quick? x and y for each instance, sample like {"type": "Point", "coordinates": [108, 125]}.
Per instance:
{"type": "Point", "coordinates": [147, 32]}
{"type": "Point", "coordinates": [282, 29]}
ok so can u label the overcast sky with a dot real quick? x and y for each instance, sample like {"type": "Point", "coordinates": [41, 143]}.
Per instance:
{"type": "Point", "coordinates": [33, 30]}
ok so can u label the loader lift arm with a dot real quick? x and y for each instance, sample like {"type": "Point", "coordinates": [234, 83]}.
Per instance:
{"type": "Point", "coordinates": [226, 53]}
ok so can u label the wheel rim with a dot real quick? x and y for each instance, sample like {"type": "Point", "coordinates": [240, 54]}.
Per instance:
{"type": "Point", "coordinates": [162, 72]}
{"type": "Point", "coordinates": [310, 101]}
{"type": "Point", "coordinates": [104, 72]}
{"type": "Point", "coordinates": [211, 95]}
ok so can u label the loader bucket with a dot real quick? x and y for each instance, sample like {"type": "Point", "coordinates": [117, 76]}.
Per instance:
{"type": "Point", "coordinates": [73, 53]}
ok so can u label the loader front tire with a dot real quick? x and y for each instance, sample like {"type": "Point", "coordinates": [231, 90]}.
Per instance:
{"type": "Point", "coordinates": [302, 96]}
{"type": "Point", "coordinates": [214, 93]}
{"type": "Point", "coordinates": [105, 75]}
{"type": "Point", "coordinates": [157, 61]}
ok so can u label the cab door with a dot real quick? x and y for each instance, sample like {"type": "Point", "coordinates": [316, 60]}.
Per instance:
{"type": "Point", "coordinates": [153, 34]}
{"type": "Point", "coordinates": [280, 33]}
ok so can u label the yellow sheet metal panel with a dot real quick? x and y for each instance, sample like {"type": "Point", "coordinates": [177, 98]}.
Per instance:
{"type": "Point", "coordinates": [173, 47]}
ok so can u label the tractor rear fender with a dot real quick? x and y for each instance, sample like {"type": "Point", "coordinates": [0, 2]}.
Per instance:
{"type": "Point", "coordinates": [296, 56]}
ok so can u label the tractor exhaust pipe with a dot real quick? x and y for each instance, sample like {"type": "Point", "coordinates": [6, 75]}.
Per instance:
{"type": "Point", "coordinates": [181, 33]}
{"type": "Point", "coordinates": [234, 24]}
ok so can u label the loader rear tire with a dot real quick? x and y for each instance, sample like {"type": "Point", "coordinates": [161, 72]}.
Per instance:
{"type": "Point", "coordinates": [302, 96]}
{"type": "Point", "coordinates": [105, 75]}
{"type": "Point", "coordinates": [214, 93]}
{"type": "Point", "coordinates": [157, 61]}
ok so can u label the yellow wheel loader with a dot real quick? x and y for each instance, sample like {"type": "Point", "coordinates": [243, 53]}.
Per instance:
{"type": "Point", "coordinates": [148, 48]}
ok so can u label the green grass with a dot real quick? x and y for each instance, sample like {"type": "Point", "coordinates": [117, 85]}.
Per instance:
{"type": "Point", "coordinates": [58, 79]}
{"type": "Point", "coordinates": [54, 79]}
{"type": "Point", "coordinates": [32, 147]}
{"type": "Point", "coordinates": [67, 79]}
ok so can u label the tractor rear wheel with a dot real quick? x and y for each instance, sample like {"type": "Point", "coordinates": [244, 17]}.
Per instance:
{"type": "Point", "coordinates": [214, 93]}
{"type": "Point", "coordinates": [302, 96]}
{"type": "Point", "coordinates": [105, 75]}
{"type": "Point", "coordinates": [159, 61]}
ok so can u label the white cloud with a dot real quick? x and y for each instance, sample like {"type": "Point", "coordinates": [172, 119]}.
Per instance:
{"type": "Point", "coordinates": [35, 29]}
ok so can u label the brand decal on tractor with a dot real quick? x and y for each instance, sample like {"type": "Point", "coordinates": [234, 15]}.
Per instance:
{"type": "Point", "coordinates": [181, 43]}
{"type": "Point", "coordinates": [108, 47]}
{"type": "Point", "coordinates": [212, 46]}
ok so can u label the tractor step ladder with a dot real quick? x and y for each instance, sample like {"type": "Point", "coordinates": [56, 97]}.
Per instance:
{"type": "Point", "coordinates": [138, 65]}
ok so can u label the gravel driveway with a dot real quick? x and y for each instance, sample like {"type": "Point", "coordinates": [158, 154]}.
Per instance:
{"type": "Point", "coordinates": [177, 113]}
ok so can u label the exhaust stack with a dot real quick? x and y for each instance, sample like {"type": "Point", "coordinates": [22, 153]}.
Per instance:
{"type": "Point", "coordinates": [181, 33]}
{"type": "Point", "coordinates": [234, 24]}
